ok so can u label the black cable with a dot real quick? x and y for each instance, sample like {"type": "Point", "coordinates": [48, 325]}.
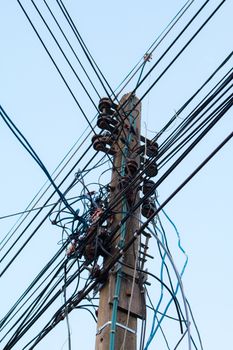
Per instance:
{"type": "Point", "coordinates": [47, 215]}
{"type": "Point", "coordinates": [56, 66]}
{"type": "Point", "coordinates": [150, 51]}
{"type": "Point", "coordinates": [46, 304]}
{"type": "Point", "coordinates": [184, 47]}
{"type": "Point", "coordinates": [85, 308]}
{"type": "Point", "coordinates": [59, 71]}
{"type": "Point", "coordinates": [4, 321]}
{"type": "Point", "coordinates": [31, 210]}
{"type": "Point", "coordinates": [227, 139]}
{"type": "Point", "coordinates": [14, 229]}
{"type": "Point", "coordinates": [177, 162]}
{"type": "Point", "coordinates": [38, 226]}
{"type": "Point", "coordinates": [136, 177]}
{"type": "Point", "coordinates": [183, 155]}
{"type": "Point", "coordinates": [84, 48]}
{"type": "Point", "coordinates": [32, 284]}
{"type": "Point", "coordinates": [80, 296]}
{"type": "Point", "coordinates": [89, 56]}
{"type": "Point", "coordinates": [213, 153]}
{"type": "Point", "coordinates": [196, 111]}
{"type": "Point", "coordinates": [181, 109]}
{"type": "Point", "coordinates": [194, 132]}
{"type": "Point", "coordinates": [165, 52]}
{"type": "Point", "coordinates": [64, 55]}
{"type": "Point", "coordinates": [69, 44]}
{"type": "Point", "coordinates": [179, 53]}
{"type": "Point", "coordinates": [21, 138]}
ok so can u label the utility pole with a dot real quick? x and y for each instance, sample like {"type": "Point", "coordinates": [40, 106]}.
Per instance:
{"type": "Point", "coordinates": [121, 296]}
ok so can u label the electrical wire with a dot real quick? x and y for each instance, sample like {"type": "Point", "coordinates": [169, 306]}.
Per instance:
{"type": "Point", "coordinates": [226, 106]}
{"type": "Point", "coordinates": [153, 47]}
{"type": "Point", "coordinates": [49, 327]}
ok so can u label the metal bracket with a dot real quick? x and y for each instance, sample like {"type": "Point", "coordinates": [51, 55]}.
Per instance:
{"type": "Point", "coordinates": [117, 324]}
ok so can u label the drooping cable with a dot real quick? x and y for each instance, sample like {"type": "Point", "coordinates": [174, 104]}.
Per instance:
{"type": "Point", "coordinates": [49, 326]}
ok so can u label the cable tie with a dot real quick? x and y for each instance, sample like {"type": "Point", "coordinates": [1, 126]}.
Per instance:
{"type": "Point", "coordinates": [147, 57]}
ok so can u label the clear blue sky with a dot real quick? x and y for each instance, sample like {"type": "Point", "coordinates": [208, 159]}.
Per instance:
{"type": "Point", "coordinates": [35, 97]}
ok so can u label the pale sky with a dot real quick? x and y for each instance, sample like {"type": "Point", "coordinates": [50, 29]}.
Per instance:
{"type": "Point", "coordinates": [35, 97]}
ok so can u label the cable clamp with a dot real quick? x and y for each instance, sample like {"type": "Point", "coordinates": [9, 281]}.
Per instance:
{"type": "Point", "coordinates": [77, 174]}
{"type": "Point", "coordinates": [117, 324]}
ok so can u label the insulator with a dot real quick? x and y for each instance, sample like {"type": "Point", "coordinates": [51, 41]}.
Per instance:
{"type": "Point", "coordinates": [148, 208]}
{"type": "Point", "coordinates": [140, 149]}
{"type": "Point", "coordinates": [106, 122]}
{"type": "Point", "coordinates": [148, 186]}
{"type": "Point", "coordinates": [152, 149]}
{"type": "Point", "coordinates": [90, 251]}
{"type": "Point", "coordinates": [103, 143]}
{"type": "Point", "coordinates": [131, 166]}
{"type": "Point", "coordinates": [107, 106]}
{"type": "Point", "coordinates": [151, 170]}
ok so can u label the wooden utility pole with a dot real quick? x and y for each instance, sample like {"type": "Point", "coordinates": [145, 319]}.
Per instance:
{"type": "Point", "coordinates": [121, 300]}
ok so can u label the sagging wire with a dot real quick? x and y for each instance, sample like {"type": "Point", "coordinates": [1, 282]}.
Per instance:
{"type": "Point", "coordinates": [79, 297]}
{"type": "Point", "coordinates": [179, 286]}
{"type": "Point", "coordinates": [153, 328]}
{"type": "Point", "coordinates": [210, 126]}
{"type": "Point", "coordinates": [173, 293]}
{"type": "Point", "coordinates": [88, 197]}
{"type": "Point", "coordinates": [165, 29]}
{"type": "Point", "coordinates": [159, 312]}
